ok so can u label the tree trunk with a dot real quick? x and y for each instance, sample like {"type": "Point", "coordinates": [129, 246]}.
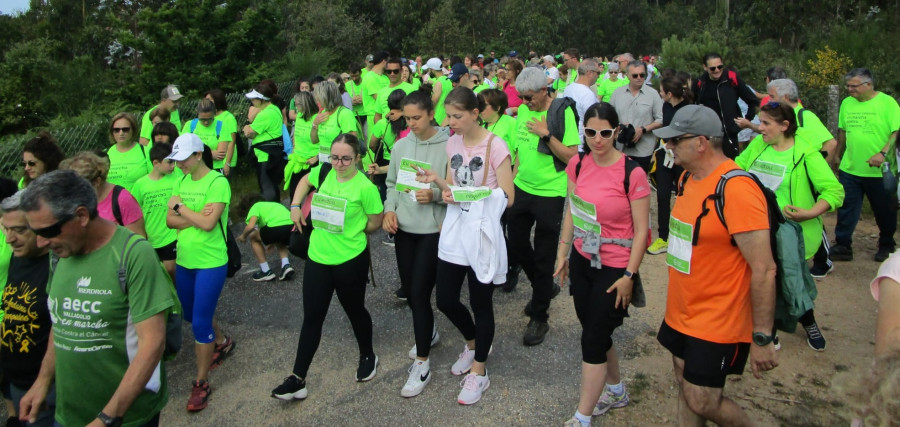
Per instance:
{"type": "Point", "coordinates": [834, 105]}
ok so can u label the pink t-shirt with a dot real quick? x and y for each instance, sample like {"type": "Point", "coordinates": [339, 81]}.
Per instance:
{"type": "Point", "coordinates": [890, 268]}
{"type": "Point", "coordinates": [467, 163]}
{"type": "Point", "coordinates": [604, 187]}
{"type": "Point", "coordinates": [131, 211]}
{"type": "Point", "coordinates": [512, 95]}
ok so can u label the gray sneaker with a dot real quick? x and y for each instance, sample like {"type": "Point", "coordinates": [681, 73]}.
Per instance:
{"type": "Point", "coordinates": [608, 401]}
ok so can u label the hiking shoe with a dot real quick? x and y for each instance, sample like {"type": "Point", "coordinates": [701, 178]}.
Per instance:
{"type": "Point", "coordinates": [659, 246]}
{"type": "Point", "coordinates": [388, 240]}
{"type": "Point", "coordinates": [286, 273]}
{"type": "Point", "coordinates": [535, 332]}
{"type": "Point", "coordinates": [419, 376]}
{"type": "Point", "coordinates": [464, 363]}
{"type": "Point", "coordinates": [199, 396]}
{"type": "Point", "coordinates": [473, 385]}
{"type": "Point", "coordinates": [512, 278]}
{"type": "Point", "coordinates": [400, 294]}
{"type": "Point", "coordinates": [222, 352]}
{"type": "Point", "coordinates": [572, 422]}
{"type": "Point", "coordinates": [263, 276]}
{"type": "Point", "coordinates": [776, 342]}
{"type": "Point", "coordinates": [820, 271]}
{"type": "Point", "coordinates": [841, 253]}
{"type": "Point", "coordinates": [293, 388]}
{"type": "Point", "coordinates": [814, 337]}
{"type": "Point", "coordinates": [883, 254]}
{"type": "Point", "coordinates": [435, 339]}
{"type": "Point", "coordinates": [608, 400]}
{"type": "Point", "coordinates": [367, 368]}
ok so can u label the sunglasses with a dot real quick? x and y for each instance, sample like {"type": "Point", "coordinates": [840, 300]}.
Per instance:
{"type": "Point", "coordinates": [31, 163]}
{"type": "Point", "coordinates": [54, 230]}
{"type": "Point", "coordinates": [342, 160]}
{"type": "Point", "coordinates": [639, 75]}
{"type": "Point", "coordinates": [676, 140]}
{"type": "Point", "coordinates": [604, 133]}
{"type": "Point", "coordinates": [392, 71]}
{"type": "Point", "coordinates": [117, 130]}
{"type": "Point", "coordinates": [717, 67]}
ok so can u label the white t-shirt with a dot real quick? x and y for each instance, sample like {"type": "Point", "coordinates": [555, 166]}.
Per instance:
{"type": "Point", "coordinates": [552, 72]}
{"type": "Point", "coordinates": [584, 97]}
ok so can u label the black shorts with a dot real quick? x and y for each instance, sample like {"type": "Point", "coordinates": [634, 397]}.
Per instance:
{"type": "Point", "coordinates": [280, 234]}
{"type": "Point", "coordinates": [167, 252]}
{"type": "Point", "coordinates": [706, 363]}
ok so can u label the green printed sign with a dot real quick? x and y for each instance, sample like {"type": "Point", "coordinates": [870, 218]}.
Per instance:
{"type": "Point", "coordinates": [328, 213]}
{"type": "Point", "coordinates": [406, 175]}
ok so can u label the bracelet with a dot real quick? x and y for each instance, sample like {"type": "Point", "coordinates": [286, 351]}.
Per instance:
{"type": "Point", "coordinates": [563, 242]}
{"type": "Point", "coordinates": [295, 206]}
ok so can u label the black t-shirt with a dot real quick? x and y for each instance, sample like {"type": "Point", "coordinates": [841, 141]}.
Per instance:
{"type": "Point", "coordinates": [25, 330]}
{"type": "Point", "coordinates": [669, 112]}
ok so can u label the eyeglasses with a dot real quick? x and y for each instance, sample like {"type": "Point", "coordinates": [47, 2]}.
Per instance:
{"type": "Point", "coordinates": [850, 86]}
{"type": "Point", "coordinates": [117, 130]}
{"type": "Point", "coordinates": [639, 75]}
{"type": "Point", "coordinates": [526, 98]}
{"type": "Point", "coordinates": [205, 121]}
{"type": "Point", "coordinates": [613, 72]}
{"type": "Point", "coordinates": [604, 133]}
{"type": "Point", "coordinates": [392, 71]}
{"type": "Point", "coordinates": [31, 163]}
{"type": "Point", "coordinates": [676, 140]}
{"type": "Point", "coordinates": [717, 67]}
{"type": "Point", "coordinates": [346, 79]}
{"type": "Point", "coordinates": [342, 160]}
{"type": "Point", "coordinates": [54, 230]}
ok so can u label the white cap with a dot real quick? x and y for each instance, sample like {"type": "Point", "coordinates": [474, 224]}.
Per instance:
{"type": "Point", "coordinates": [256, 95]}
{"type": "Point", "coordinates": [184, 146]}
{"type": "Point", "coordinates": [433, 64]}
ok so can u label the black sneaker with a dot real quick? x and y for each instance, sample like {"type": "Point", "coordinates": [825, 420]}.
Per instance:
{"type": "Point", "coordinates": [512, 278]}
{"type": "Point", "coordinates": [841, 253]}
{"type": "Point", "coordinates": [286, 273]}
{"type": "Point", "coordinates": [367, 368]}
{"type": "Point", "coordinates": [820, 271]}
{"type": "Point", "coordinates": [535, 332]}
{"type": "Point", "coordinates": [293, 388]}
{"type": "Point", "coordinates": [556, 289]}
{"type": "Point", "coordinates": [263, 276]}
{"type": "Point", "coordinates": [814, 337]}
{"type": "Point", "coordinates": [883, 254]}
{"type": "Point", "coordinates": [400, 294]}
{"type": "Point", "coordinates": [388, 240]}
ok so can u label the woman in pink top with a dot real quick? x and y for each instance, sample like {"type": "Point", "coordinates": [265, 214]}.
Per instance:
{"type": "Point", "coordinates": [514, 67]}
{"type": "Point", "coordinates": [607, 221]}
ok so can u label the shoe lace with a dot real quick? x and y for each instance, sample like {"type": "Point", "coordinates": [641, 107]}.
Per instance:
{"type": "Point", "coordinates": [469, 382]}
{"type": "Point", "coordinates": [465, 353]}
{"type": "Point", "coordinates": [413, 374]}
{"type": "Point", "coordinates": [813, 332]}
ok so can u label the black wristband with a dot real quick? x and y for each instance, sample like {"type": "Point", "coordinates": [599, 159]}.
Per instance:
{"type": "Point", "coordinates": [108, 420]}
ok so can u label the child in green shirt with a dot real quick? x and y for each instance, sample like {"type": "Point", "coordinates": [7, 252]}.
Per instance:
{"type": "Point", "coordinates": [274, 228]}
{"type": "Point", "coordinates": [152, 193]}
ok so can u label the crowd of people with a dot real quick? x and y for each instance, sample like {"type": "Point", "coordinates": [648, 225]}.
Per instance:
{"type": "Point", "coordinates": [476, 168]}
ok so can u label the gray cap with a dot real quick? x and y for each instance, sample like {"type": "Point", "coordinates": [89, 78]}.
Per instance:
{"type": "Point", "coordinates": [692, 119]}
{"type": "Point", "coordinates": [171, 92]}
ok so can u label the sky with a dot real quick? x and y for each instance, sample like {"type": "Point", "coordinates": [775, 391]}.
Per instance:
{"type": "Point", "coordinates": [7, 7]}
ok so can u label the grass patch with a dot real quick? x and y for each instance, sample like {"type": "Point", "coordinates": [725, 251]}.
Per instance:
{"type": "Point", "coordinates": [639, 384]}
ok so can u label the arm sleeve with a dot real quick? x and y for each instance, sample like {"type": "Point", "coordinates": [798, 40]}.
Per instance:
{"type": "Point", "coordinates": [147, 283]}
{"type": "Point", "coordinates": [824, 181]}
{"type": "Point", "coordinates": [891, 269]}
{"type": "Point", "coordinates": [639, 187]}
{"type": "Point", "coordinates": [745, 206]}
{"type": "Point", "coordinates": [131, 211]}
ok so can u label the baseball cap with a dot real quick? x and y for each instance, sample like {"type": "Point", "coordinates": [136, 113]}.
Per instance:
{"type": "Point", "coordinates": [513, 54]}
{"type": "Point", "coordinates": [692, 119]}
{"type": "Point", "coordinates": [457, 71]}
{"type": "Point", "coordinates": [253, 94]}
{"type": "Point", "coordinates": [370, 57]}
{"type": "Point", "coordinates": [433, 64]}
{"type": "Point", "coordinates": [480, 55]}
{"type": "Point", "coordinates": [184, 146]}
{"type": "Point", "coordinates": [171, 92]}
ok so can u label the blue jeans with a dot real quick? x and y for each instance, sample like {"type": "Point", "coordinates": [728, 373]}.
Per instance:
{"type": "Point", "coordinates": [45, 416]}
{"type": "Point", "coordinates": [848, 214]}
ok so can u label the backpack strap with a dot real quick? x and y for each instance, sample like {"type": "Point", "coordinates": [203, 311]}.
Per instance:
{"type": "Point", "coordinates": [581, 155]}
{"type": "Point", "coordinates": [117, 210]}
{"type": "Point", "coordinates": [323, 173]}
{"type": "Point", "coordinates": [194, 125]}
{"type": "Point", "coordinates": [123, 261]}
{"type": "Point", "coordinates": [630, 164]}
{"type": "Point", "coordinates": [218, 129]}
{"type": "Point", "coordinates": [681, 183]}
{"type": "Point", "coordinates": [800, 117]}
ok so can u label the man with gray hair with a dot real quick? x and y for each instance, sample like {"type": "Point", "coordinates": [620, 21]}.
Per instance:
{"type": "Point", "coordinates": [550, 69]}
{"type": "Point", "coordinates": [867, 135]}
{"type": "Point", "coordinates": [580, 91]}
{"type": "Point", "coordinates": [103, 374]}
{"type": "Point", "coordinates": [25, 331]}
{"type": "Point", "coordinates": [540, 193]}
{"type": "Point", "coordinates": [170, 98]}
{"type": "Point", "coordinates": [640, 108]}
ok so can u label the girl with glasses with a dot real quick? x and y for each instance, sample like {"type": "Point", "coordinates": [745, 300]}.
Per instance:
{"type": "Point", "coordinates": [128, 160]}
{"type": "Point", "coordinates": [40, 155]}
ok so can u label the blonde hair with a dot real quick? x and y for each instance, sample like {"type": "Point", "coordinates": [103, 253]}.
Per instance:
{"type": "Point", "coordinates": [87, 165]}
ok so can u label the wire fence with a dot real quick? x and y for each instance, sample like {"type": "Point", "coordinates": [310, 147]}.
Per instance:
{"type": "Point", "coordinates": [94, 136]}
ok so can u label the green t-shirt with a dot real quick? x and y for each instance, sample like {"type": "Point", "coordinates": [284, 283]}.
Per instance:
{"type": "Point", "coordinates": [229, 126]}
{"type": "Point", "coordinates": [270, 214]}
{"type": "Point", "coordinates": [481, 87]}
{"type": "Point", "coordinates": [371, 84]}
{"type": "Point", "coordinates": [416, 83]}
{"type": "Point", "coordinates": [341, 121]}
{"type": "Point", "coordinates": [94, 328]}
{"type": "Point", "coordinates": [303, 145]}
{"type": "Point", "coordinates": [868, 126]}
{"type": "Point", "coordinates": [773, 168]}
{"type": "Point", "coordinates": [362, 199]}
{"type": "Point", "coordinates": [383, 132]}
{"type": "Point", "coordinates": [505, 128]}
{"type": "Point", "coordinates": [267, 125]}
{"type": "Point", "coordinates": [606, 87]}
{"type": "Point", "coordinates": [153, 197]}
{"type": "Point", "coordinates": [126, 168]}
{"type": "Point", "coordinates": [197, 248]}
{"type": "Point", "coordinates": [381, 104]}
{"type": "Point", "coordinates": [812, 130]}
{"type": "Point", "coordinates": [355, 89]}
{"type": "Point", "coordinates": [147, 125]}
{"type": "Point", "coordinates": [537, 175]}
{"type": "Point", "coordinates": [440, 113]}
{"type": "Point", "coordinates": [209, 137]}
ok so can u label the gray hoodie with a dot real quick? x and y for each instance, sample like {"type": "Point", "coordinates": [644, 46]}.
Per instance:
{"type": "Point", "coordinates": [413, 217]}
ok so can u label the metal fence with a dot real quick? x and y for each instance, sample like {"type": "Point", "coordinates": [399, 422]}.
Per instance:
{"type": "Point", "coordinates": [95, 136]}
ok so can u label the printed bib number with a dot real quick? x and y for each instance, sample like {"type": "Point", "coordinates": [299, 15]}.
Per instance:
{"type": "Point", "coordinates": [324, 154]}
{"type": "Point", "coordinates": [678, 255]}
{"type": "Point", "coordinates": [470, 194]}
{"type": "Point", "coordinates": [328, 213]}
{"type": "Point", "coordinates": [406, 176]}
{"type": "Point", "coordinates": [587, 228]}
{"type": "Point", "coordinates": [770, 174]}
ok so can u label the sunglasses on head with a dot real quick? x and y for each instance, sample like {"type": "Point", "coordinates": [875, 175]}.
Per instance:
{"type": "Point", "coordinates": [392, 71]}
{"type": "Point", "coordinates": [54, 230]}
{"type": "Point", "coordinates": [31, 163]}
{"type": "Point", "coordinates": [717, 67]}
{"type": "Point", "coordinates": [639, 75]}
{"type": "Point", "coordinates": [117, 130]}
{"type": "Point", "coordinates": [604, 133]}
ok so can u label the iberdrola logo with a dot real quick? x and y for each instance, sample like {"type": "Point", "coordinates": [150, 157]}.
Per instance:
{"type": "Point", "coordinates": [84, 282]}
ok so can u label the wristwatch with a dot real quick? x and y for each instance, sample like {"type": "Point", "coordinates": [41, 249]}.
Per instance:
{"type": "Point", "coordinates": [109, 421]}
{"type": "Point", "coordinates": [762, 339]}
{"type": "Point", "coordinates": [643, 130]}
{"type": "Point", "coordinates": [883, 154]}
{"type": "Point", "coordinates": [176, 207]}
{"type": "Point", "coordinates": [629, 274]}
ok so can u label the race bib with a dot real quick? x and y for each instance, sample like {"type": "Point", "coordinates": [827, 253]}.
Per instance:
{"type": "Point", "coordinates": [770, 174]}
{"type": "Point", "coordinates": [678, 255]}
{"type": "Point", "coordinates": [469, 194]}
{"type": "Point", "coordinates": [587, 228]}
{"type": "Point", "coordinates": [406, 175]}
{"type": "Point", "coordinates": [328, 213]}
{"type": "Point", "coordinates": [324, 154]}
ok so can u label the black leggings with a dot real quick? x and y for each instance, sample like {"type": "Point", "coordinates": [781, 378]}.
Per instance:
{"type": "Point", "coordinates": [417, 264]}
{"type": "Point", "coordinates": [449, 284]}
{"type": "Point", "coordinates": [320, 282]}
{"type": "Point", "coordinates": [594, 307]}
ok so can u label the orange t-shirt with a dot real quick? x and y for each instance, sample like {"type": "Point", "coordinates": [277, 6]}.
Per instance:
{"type": "Point", "coordinates": [709, 296]}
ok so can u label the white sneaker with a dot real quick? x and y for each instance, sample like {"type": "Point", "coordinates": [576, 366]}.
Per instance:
{"type": "Point", "coordinates": [419, 376]}
{"type": "Point", "coordinates": [464, 364]}
{"type": "Point", "coordinates": [472, 387]}
{"type": "Point", "coordinates": [435, 339]}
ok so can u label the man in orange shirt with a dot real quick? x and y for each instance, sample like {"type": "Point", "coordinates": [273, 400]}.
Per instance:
{"type": "Point", "coordinates": [721, 295]}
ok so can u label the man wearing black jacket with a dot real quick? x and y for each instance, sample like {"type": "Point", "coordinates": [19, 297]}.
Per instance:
{"type": "Point", "coordinates": [719, 88]}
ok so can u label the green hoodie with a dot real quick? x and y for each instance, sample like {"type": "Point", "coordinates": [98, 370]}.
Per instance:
{"type": "Point", "coordinates": [413, 217]}
{"type": "Point", "coordinates": [809, 170]}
